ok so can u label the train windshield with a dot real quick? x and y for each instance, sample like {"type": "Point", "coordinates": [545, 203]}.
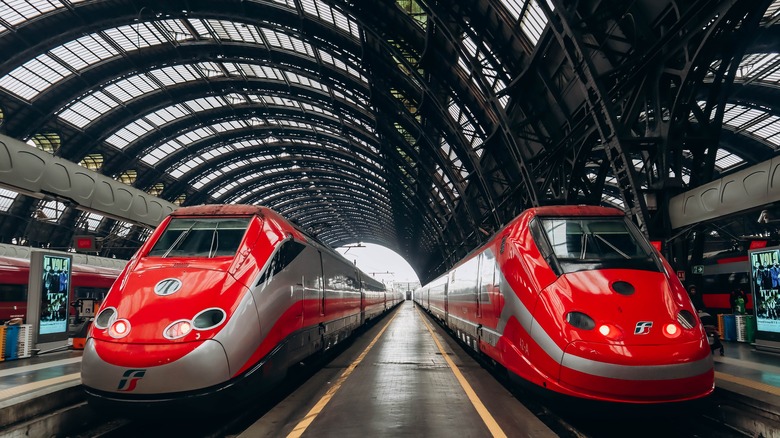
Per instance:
{"type": "Point", "coordinates": [201, 237]}
{"type": "Point", "coordinates": [596, 243]}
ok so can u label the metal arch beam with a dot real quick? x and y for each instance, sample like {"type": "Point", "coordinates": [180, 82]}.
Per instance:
{"type": "Point", "coordinates": [151, 102]}
{"type": "Point", "coordinates": [410, 203]}
{"type": "Point", "coordinates": [93, 77]}
{"type": "Point", "coordinates": [291, 206]}
{"type": "Point", "coordinates": [34, 38]}
{"type": "Point", "coordinates": [381, 211]}
{"type": "Point", "coordinates": [254, 169]}
{"type": "Point", "coordinates": [353, 164]}
{"type": "Point", "coordinates": [603, 114]}
{"type": "Point", "coordinates": [394, 22]}
{"type": "Point", "coordinates": [205, 143]}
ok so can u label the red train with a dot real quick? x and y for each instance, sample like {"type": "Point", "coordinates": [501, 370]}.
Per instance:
{"type": "Point", "coordinates": [217, 305]}
{"type": "Point", "coordinates": [86, 282]}
{"type": "Point", "coordinates": [575, 301]}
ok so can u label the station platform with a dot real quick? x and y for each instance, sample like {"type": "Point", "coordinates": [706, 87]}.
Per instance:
{"type": "Point", "coordinates": [404, 376]}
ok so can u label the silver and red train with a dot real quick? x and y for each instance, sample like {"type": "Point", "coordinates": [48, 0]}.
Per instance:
{"type": "Point", "coordinates": [218, 304]}
{"type": "Point", "coordinates": [575, 301]}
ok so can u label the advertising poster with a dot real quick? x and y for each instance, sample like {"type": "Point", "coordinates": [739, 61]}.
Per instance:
{"type": "Point", "coordinates": [765, 283]}
{"type": "Point", "coordinates": [55, 284]}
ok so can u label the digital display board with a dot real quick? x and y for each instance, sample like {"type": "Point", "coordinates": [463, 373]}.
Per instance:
{"type": "Point", "coordinates": [765, 284]}
{"type": "Point", "coordinates": [48, 296]}
{"type": "Point", "coordinates": [55, 287]}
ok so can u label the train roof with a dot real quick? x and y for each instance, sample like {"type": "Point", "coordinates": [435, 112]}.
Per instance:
{"type": "Point", "coordinates": [576, 210]}
{"type": "Point", "coordinates": [220, 210]}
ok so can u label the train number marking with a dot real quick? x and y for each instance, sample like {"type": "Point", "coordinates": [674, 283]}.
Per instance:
{"type": "Point", "coordinates": [643, 327]}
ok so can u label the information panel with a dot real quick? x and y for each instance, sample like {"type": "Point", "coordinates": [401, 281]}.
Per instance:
{"type": "Point", "coordinates": [48, 295]}
{"type": "Point", "coordinates": [54, 294]}
{"type": "Point", "coordinates": [765, 285]}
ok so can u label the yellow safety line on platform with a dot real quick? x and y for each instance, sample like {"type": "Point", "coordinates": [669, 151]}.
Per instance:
{"type": "Point", "coordinates": [29, 387]}
{"type": "Point", "coordinates": [749, 383]}
{"type": "Point", "coordinates": [312, 414]}
{"type": "Point", "coordinates": [488, 419]}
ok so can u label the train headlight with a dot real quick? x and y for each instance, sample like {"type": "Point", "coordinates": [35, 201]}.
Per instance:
{"type": "Point", "coordinates": [208, 319]}
{"type": "Point", "coordinates": [178, 329]}
{"type": "Point", "coordinates": [105, 318]}
{"type": "Point", "coordinates": [672, 330]}
{"type": "Point", "coordinates": [580, 320]}
{"type": "Point", "coordinates": [686, 319]}
{"type": "Point", "coordinates": [611, 332]}
{"type": "Point", "coordinates": [119, 329]}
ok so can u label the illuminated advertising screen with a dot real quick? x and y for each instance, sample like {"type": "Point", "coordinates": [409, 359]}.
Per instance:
{"type": "Point", "coordinates": [765, 284]}
{"type": "Point", "coordinates": [55, 285]}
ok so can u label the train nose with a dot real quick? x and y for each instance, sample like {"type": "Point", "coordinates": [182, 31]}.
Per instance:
{"type": "Point", "coordinates": [658, 372]}
{"type": "Point", "coordinates": [150, 369]}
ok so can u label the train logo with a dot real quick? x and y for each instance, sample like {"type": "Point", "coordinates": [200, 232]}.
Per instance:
{"type": "Point", "coordinates": [643, 327]}
{"type": "Point", "coordinates": [130, 379]}
{"type": "Point", "coordinates": [167, 287]}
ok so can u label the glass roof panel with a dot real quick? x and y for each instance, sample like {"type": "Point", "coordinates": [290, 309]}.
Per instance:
{"type": "Point", "coordinates": [531, 17]}
{"type": "Point", "coordinates": [7, 198]}
{"type": "Point", "coordinates": [16, 12]}
{"type": "Point", "coordinates": [772, 13]}
{"type": "Point", "coordinates": [725, 160]}
{"type": "Point", "coordinates": [758, 122]}
{"type": "Point", "coordinates": [47, 69]}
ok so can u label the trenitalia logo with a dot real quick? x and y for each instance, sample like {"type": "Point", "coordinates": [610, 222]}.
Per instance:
{"type": "Point", "coordinates": [167, 286]}
{"type": "Point", "coordinates": [643, 327]}
{"type": "Point", "coordinates": [130, 379]}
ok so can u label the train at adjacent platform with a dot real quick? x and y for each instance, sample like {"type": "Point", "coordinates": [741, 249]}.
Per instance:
{"type": "Point", "coordinates": [86, 281]}
{"type": "Point", "coordinates": [576, 303]}
{"type": "Point", "coordinates": [217, 305]}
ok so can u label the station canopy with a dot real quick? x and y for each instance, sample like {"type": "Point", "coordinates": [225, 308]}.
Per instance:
{"type": "Point", "coordinates": [421, 126]}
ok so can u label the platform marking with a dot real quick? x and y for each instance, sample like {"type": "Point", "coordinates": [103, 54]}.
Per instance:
{"type": "Point", "coordinates": [301, 427]}
{"type": "Point", "coordinates": [749, 383]}
{"type": "Point", "coordinates": [29, 387]}
{"type": "Point", "coordinates": [488, 419]}
{"type": "Point", "coordinates": [38, 366]}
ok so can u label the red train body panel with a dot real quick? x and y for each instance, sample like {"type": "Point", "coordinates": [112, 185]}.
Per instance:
{"type": "Point", "coordinates": [575, 300]}
{"type": "Point", "coordinates": [219, 302]}
{"type": "Point", "coordinates": [15, 277]}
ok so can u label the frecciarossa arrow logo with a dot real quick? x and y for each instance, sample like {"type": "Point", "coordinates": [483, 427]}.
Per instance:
{"type": "Point", "coordinates": [130, 379]}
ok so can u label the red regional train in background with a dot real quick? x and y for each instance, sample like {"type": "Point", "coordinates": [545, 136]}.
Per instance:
{"type": "Point", "coordinates": [575, 301]}
{"type": "Point", "coordinates": [86, 282]}
{"type": "Point", "coordinates": [218, 303]}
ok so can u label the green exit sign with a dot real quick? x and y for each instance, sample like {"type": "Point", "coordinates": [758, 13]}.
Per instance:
{"type": "Point", "coordinates": [697, 269]}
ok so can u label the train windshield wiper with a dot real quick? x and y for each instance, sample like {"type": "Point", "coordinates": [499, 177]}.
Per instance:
{"type": "Point", "coordinates": [179, 240]}
{"type": "Point", "coordinates": [214, 242]}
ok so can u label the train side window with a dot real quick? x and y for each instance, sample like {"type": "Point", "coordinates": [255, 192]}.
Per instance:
{"type": "Point", "coordinates": [13, 292]}
{"type": "Point", "coordinates": [281, 259]}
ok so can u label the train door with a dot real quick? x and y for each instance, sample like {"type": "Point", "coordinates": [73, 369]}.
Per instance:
{"type": "Point", "coordinates": [451, 281]}
{"type": "Point", "coordinates": [321, 291]}
{"type": "Point", "coordinates": [478, 290]}
{"type": "Point", "coordinates": [362, 297]}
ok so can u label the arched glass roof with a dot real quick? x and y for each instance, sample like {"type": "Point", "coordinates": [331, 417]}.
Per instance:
{"type": "Point", "coordinates": [419, 122]}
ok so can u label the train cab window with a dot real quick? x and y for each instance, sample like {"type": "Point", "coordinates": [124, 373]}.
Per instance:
{"type": "Point", "coordinates": [595, 243]}
{"type": "Point", "coordinates": [187, 237]}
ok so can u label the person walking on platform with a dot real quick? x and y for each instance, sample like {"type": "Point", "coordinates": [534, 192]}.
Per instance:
{"type": "Point", "coordinates": [696, 299]}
